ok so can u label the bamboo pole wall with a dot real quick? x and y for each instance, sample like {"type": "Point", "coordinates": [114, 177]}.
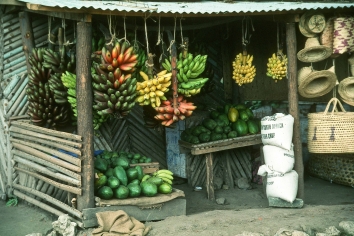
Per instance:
{"type": "Point", "coordinates": [46, 166]}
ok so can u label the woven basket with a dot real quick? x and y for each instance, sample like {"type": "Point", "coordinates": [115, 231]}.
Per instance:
{"type": "Point", "coordinates": [337, 168]}
{"type": "Point", "coordinates": [331, 132]}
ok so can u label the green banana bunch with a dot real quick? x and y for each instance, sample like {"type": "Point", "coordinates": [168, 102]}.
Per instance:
{"type": "Point", "coordinates": [114, 92]}
{"type": "Point", "coordinates": [69, 81]}
{"type": "Point", "coordinates": [192, 87]}
{"type": "Point", "coordinates": [190, 67]}
{"type": "Point", "coordinates": [141, 65]}
{"type": "Point", "coordinates": [165, 175]}
{"type": "Point", "coordinates": [42, 108]}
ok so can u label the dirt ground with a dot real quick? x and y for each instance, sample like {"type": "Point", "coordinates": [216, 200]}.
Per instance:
{"type": "Point", "coordinates": [326, 204]}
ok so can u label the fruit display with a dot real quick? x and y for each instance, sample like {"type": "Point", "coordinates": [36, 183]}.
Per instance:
{"type": "Point", "coordinates": [277, 66]}
{"type": "Point", "coordinates": [43, 108]}
{"type": "Point", "coordinates": [243, 70]}
{"type": "Point", "coordinates": [116, 178]}
{"type": "Point", "coordinates": [69, 81]}
{"type": "Point", "coordinates": [226, 122]}
{"type": "Point", "coordinates": [113, 86]}
{"type": "Point", "coordinates": [168, 114]}
{"type": "Point", "coordinates": [152, 91]}
{"type": "Point", "coordinates": [189, 69]}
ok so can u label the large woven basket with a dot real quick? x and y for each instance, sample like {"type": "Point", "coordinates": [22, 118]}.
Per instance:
{"type": "Point", "coordinates": [331, 131]}
{"type": "Point", "coordinates": [337, 168]}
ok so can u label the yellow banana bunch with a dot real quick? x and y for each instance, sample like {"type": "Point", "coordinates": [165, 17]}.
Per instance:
{"type": "Point", "coordinates": [244, 72]}
{"type": "Point", "coordinates": [165, 175]}
{"type": "Point", "coordinates": [277, 66]}
{"type": "Point", "coordinates": [152, 91]}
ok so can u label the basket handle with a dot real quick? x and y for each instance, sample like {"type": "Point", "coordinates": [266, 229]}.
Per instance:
{"type": "Point", "coordinates": [335, 101]}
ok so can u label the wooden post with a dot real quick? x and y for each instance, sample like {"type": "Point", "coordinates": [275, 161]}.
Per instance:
{"type": "Point", "coordinates": [174, 73]}
{"type": "Point", "coordinates": [293, 104]}
{"type": "Point", "coordinates": [227, 71]}
{"type": "Point", "coordinates": [84, 112]}
{"type": "Point", "coordinates": [27, 36]}
{"type": "Point", "coordinates": [209, 175]}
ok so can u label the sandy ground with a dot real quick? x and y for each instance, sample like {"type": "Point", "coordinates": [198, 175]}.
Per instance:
{"type": "Point", "coordinates": [326, 204]}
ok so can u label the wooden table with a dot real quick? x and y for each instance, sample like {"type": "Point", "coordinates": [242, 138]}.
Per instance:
{"type": "Point", "coordinates": [209, 148]}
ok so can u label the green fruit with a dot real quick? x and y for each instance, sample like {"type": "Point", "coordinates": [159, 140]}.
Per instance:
{"type": "Point", "coordinates": [243, 115]}
{"type": "Point", "coordinates": [113, 182]}
{"type": "Point", "coordinates": [121, 192]}
{"type": "Point", "coordinates": [148, 160]}
{"type": "Point", "coordinates": [133, 161]}
{"type": "Point", "coordinates": [102, 180]}
{"type": "Point", "coordinates": [136, 156]}
{"type": "Point", "coordinates": [156, 180]}
{"type": "Point", "coordinates": [214, 114]}
{"type": "Point", "coordinates": [134, 190]}
{"type": "Point", "coordinates": [132, 173]}
{"type": "Point", "coordinates": [232, 134]}
{"type": "Point", "coordinates": [148, 189]}
{"type": "Point", "coordinates": [241, 127]}
{"type": "Point", "coordinates": [105, 192]}
{"type": "Point", "coordinates": [101, 164]}
{"type": "Point", "coordinates": [120, 173]}
{"type": "Point", "coordinates": [135, 181]}
{"type": "Point", "coordinates": [122, 161]}
{"type": "Point", "coordinates": [140, 172]}
{"type": "Point", "coordinates": [141, 160]}
{"type": "Point", "coordinates": [253, 127]}
{"type": "Point", "coordinates": [249, 113]}
{"type": "Point", "coordinates": [109, 172]}
{"type": "Point", "coordinates": [165, 188]}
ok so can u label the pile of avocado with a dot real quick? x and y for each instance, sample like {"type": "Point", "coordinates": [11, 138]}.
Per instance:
{"type": "Point", "coordinates": [115, 178]}
{"type": "Point", "coordinates": [229, 121]}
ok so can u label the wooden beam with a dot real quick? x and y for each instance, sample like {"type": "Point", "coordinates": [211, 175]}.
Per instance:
{"type": "Point", "coordinates": [293, 104]}
{"type": "Point", "coordinates": [75, 16]}
{"type": "Point", "coordinates": [12, 2]}
{"type": "Point", "coordinates": [84, 112]}
{"type": "Point", "coordinates": [27, 36]}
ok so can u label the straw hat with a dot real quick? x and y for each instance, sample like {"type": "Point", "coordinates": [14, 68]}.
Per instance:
{"type": "Point", "coordinates": [346, 90]}
{"type": "Point", "coordinates": [351, 64]}
{"type": "Point", "coordinates": [312, 23]}
{"type": "Point", "coordinates": [316, 83]}
{"type": "Point", "coordinates": [313, 51]}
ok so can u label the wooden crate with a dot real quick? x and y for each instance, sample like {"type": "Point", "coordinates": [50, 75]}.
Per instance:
{"type": "Point", "coordinates": [148, 168]}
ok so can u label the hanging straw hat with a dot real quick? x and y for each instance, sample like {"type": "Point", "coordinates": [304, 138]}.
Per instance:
{"type": "Point", "coordinates": [313, 51]}
{"type": "Point", "coordinates": [316, 83]}
{"type": "Point", "coordinates": [346, 90]}
{"type": "Point", "coordinates": [326, 37]}
{"type": "Point", "coordinates": [351, 64]}
{"type": "Point", "coordinates": [311, 23]}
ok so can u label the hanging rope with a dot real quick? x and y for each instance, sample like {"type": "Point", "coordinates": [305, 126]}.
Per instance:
{"type": "Point", "coordinates": [246, 35]}
{"type": "Point", "coordinates": [174, 36]}
{"type": "Point", "coordinates": [146, 36]}
{"type": "Point", "coordinates": [180, 26]}
{"type": "Point", "coordinates": [158, 34]}
{"type": "Point", "coordinates": [111, 31]}
{"type": "Point", "coordinates": [49, 29]}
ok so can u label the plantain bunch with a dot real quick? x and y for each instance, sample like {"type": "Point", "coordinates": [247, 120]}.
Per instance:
{"type": "Point", "coordinates": [152, 91]}
{"type": "Point", "coordinates": [113, 85]}
{"type": "Point", "coordinates": [277, 66]}
{"type": "Point", "coordinates": [43, 109]}
{"type": "Point", "coordinates": [243, 70]}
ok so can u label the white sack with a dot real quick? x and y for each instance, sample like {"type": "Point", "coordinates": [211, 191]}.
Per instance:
{"type": "Point", "coordinates": [283, 186]}
{"type": "Point", "coordinates": [279, 159]}
{"type": "Point", "coordinates": [277, 130]}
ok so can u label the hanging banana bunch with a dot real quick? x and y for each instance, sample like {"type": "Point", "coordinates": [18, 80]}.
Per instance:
{"type": "Point", "coordinates": [113, 86]}
{"type": "Point", "coordinates": [43, 109]}
{"type": "Point", "coordinates": [243, 70]}
{"type": "Point", "coordinates": [277, 63]}
{"type": "Point", "coordinates": [277, 66]}
{"type": "Point", "coordinates": [152, 91]}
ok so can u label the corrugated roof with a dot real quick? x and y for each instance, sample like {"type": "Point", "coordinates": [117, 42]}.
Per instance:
{"type": "Point", "coordinates": [203, 7]}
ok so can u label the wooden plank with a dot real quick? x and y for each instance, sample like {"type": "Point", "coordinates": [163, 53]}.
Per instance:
{"type": "Point", "coordinates": [46, 171]}
{"type": "Point", "coordinates": [47, 160]}
{"type": "Point", "coordinates": [46, 131]}
{"type": "Point", "coordinates": [238, 164]}
{"type": "Point", "coordinates": [66, 15]}
{"type": "Point", "coordinates": [175, 207]}
{"type": "Point", "coordinates": [44, 206]}
{"type": "Point", "coordinates": [44, 136]}
{"type": "Point", "coordinates": [246, 164]}
{"type": "Point", "coordinates": [27, 36]}
{"type": "Point", "coordinates": [227, 147]}
{"type": "Point", "coordinates": [49, 199]}
{"type": "Point", "coordinates": [293, 104]}
{"type": "Point", "coordinates": [60, 155]}
{"type": "Point", "coordinates": [209, 176]}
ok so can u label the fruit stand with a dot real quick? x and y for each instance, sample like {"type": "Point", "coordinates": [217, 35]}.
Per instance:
{"type": "Point", "coordinates": [209, 148]}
